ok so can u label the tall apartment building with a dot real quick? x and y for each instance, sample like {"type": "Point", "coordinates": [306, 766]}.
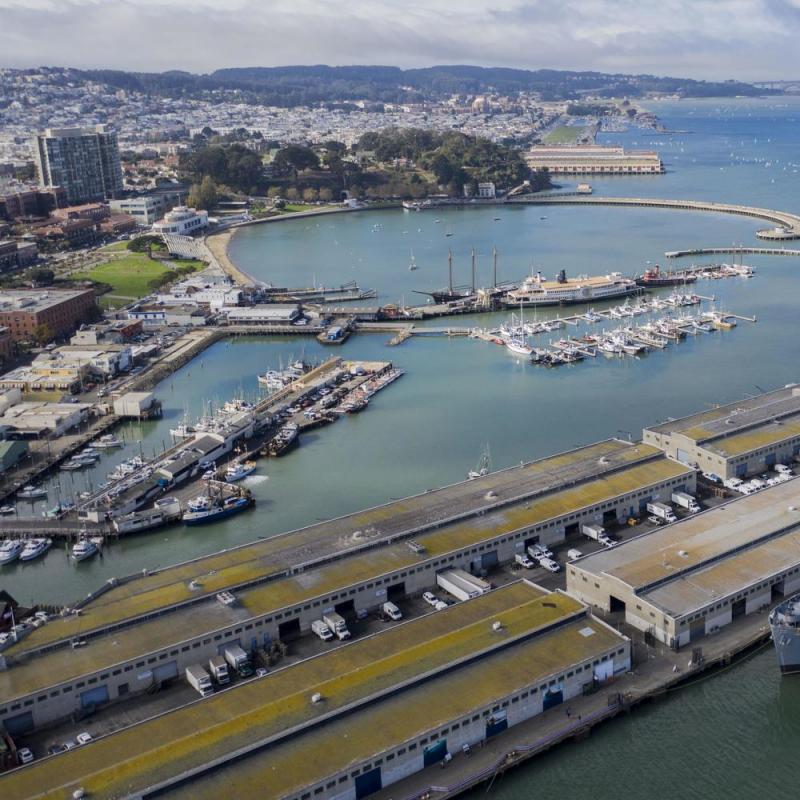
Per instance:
{"type": "Point", "coordinates": [84, 161]}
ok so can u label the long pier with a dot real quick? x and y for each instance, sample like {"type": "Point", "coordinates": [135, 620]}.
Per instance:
{"type": "Point", "coordinates": [788, 225]}
{"type": "Point", "coordinates": [710, 251]}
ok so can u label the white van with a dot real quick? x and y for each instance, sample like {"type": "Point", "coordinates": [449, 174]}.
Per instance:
{"type": "Point", "coordinates": [392, 611]}
{"type": "Point", "coordinates": [573, 554]}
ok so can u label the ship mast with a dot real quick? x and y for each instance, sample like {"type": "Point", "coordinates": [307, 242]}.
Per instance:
{"type": "Point", "coordinates": [450, 269]}
{"type": "Point", "coordinates": [473, 270]}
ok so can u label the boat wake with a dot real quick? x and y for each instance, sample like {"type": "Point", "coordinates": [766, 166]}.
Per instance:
{"type": "Point", "coordinates": [255, 480]}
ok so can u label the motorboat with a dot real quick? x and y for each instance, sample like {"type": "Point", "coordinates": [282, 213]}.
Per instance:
{"type": "Point", "coordinates": [10, 550]}
{"type": "Point", "coordinates": [35, 548]}
{"type": "Point", "coordinates": [5, 510]}
{"type": "Point", "coordinates": [83, 549]}
{"type": "Point", "coordinates": [239, 470]}
{"type": "Point", "coordinates": [31, 492]}
{"type": "Point", "coordinates": [483, 467]}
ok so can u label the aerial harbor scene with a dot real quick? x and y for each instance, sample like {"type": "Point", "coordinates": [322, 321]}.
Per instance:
{"type": "Point", "coordinates": [398, 432]}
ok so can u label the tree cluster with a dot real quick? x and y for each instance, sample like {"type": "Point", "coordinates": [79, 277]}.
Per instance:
{"type": "Point", "coordinates": [234, 166]}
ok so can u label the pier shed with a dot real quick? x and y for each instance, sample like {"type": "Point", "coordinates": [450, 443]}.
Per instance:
{"type": "Point", "coordinates": [686, 580]}
{"type": "Point", "coordinates": [737, 439]}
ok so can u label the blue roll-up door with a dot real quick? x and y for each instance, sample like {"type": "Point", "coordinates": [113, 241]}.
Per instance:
{"type": "Point", "coordinates": [94, 697]}
{"type": "Point", "coordinates": [368, 783]}
{"type": "Point", "coordinates": [741, 470]}
{"type": "Point", "coordinates": [490, 560]}
{"type": "Point", "coordinates": [434, 753]}
{"type": "Point", "coordinates": [497, 723]}
{"type": "Point", "coordinates": [21, 723]}
{"type": "Point", "coordinates": [552, 697]}
{"type": "Point", "coordinates": [770, 459]}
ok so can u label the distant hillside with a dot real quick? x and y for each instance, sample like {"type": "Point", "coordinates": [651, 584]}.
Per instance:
{"type": "Point", "coordinates": [305, 85]}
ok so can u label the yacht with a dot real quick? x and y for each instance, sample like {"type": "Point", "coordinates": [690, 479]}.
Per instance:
{"type": "Point", "coordinates": [182, 431]}
{"type": "Point", "coordinates": [4, 510]}
{"type": "Point", "coordinates": [31, 492]}
{"type": "Point", "coordinates": [10, 550]}
{"type": "Point", "coordinates": [239, 470]}
{"type": "Point", "coordinates": [537, 291]}
{"type": "Point", "coordinates": [83, 549]}
{"type": "Point", "coordinates": [35, 548]}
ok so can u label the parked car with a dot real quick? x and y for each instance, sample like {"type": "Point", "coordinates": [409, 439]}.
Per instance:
{"type": "Point", "coordinates": [84, 738]}
{"type": "Point", "coordinates": [712, 476]}
{"type": "Point", "coordinates": [430, 598]}
{"type": "Point", "coordinates": [24, 755]}
{"type": "Point", "coordinates": [550, 565]}
{"type": "Point", "coordinates": [440, 605]}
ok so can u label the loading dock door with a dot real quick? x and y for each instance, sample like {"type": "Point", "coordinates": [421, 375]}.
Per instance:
{"type": "Point", "coordinates": [603, 671]}
{"type": "Point", "coordinates": [489, 560]}
{"type": "Point", "coordinates": [697, 629]}
{"type": "Point", "coordinates": [165, 672]}
{"type": "Point", "coordinates": [20, 724]}
{"type": "Point", "coordinates": [552, 697]}
{"type": "Point", "coordinates": [497, 723]}
{"type": "Point", "coordinates": [369, 782]}
{"type": "Point", "coordinates": [94, 697]}
{"type": "Point", "coordinates": [397, 591]}
{"type": "Point", "coordinates": [738, 608]}
{"type": "Point", "coordinates": [289, 630]}
{"type": "Point", "coordinates": [434, 753]}
{"type": "Point", "coordinates": [346, 609]}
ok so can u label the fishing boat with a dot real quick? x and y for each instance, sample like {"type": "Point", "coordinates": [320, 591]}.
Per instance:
{"type": "Point", "coordinates": [283, 440]}
{"type": "Point", "coordinates": [654, 278]}
{"type": "Point", "coordinates": [10, 550]}
{"type": "Point", "coordinates": [239, 470]}
{"type": "Point", "coordinates": [35, 548]}
{"type": "Point", "coordinates": [213, 510]}
{"type": "Point", "coordinates": [83, 549]}
{"type": "Point", "coordinates": [483, 467]}
{"type": "Point", "coordinates": [182, 431]}
{"type": "Point", "coordinates": [31, 492]}
{"type": "Point", "coordinates": [107, 442]}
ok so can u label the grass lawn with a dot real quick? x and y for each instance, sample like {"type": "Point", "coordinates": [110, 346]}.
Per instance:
{"type": "Point", "coordinates": [564, 134]}
{"type": "Point", "coordinates": [131, 274]}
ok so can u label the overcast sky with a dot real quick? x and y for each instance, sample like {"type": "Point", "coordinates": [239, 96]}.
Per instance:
{"type": "Point", "coordinates": [714, 39]}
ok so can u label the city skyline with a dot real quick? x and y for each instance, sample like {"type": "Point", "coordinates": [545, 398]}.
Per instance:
{"type": "Point", "coordinates": [674, 37]}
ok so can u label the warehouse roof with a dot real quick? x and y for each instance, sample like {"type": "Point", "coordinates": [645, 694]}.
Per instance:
{"type": "Point", "coordinates": [733, 417]}
{"type": "Point", "coordinates": [272, 556]}
{"type": "Point", "coordinates": [266, 709]}
{"type": "Point", "coordinates": [709, 552]}
{"type": "Point", "coordinates": [756, 438]}
{"type": "Point", "coordinates": [168, 629]}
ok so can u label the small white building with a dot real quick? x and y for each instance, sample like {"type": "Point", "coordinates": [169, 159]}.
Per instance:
{"type": "Point", "coordinates": [487, 190]}
{"type": "Point", "coordinates": [183, 221]}
{"type": "Point", "coordinates": [134, 404]}
{"type": "Point", "coordinates": [266, 314]}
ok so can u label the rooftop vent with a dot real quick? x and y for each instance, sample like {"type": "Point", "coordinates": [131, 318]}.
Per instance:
{"type": "Point", "coordinates": [497, 626]}
{"type": "Point", "coordinates": [316, 697]}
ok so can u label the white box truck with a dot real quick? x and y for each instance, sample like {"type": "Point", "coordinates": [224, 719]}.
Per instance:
{"type": "Point", "coordinates": [218, 667]}
{"type": "Point", "coordinates": [199, 679]}
{"type": "Point", "coordinates": [337, 624]}
{"type": "Point", "coordinates": [461, 584]}
{"type": "Point", "coordinates": [239, 660]}
{"type": "Point", "coordinates": [661, 511]}
{"type": "Point", "coordinates": [593, 531]}
{"type": "Point", "coordinates": [684, 500]}
{"type": "Point", "coordinates": [321, 630]}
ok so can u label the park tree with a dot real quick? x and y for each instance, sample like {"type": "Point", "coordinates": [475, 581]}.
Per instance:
{"type": "Point", "coordinates": [42, 277]}
{"type": "Point", "coordinates": [203, 194]}
{"type": "Point", "coordinates": [294, 158]}
{"type": "Point", "coordinates": [325, 194]}
{"type": "Point", "coordinates": [292, 193]}
{"type": "Point", "coordinates": [310, 195]}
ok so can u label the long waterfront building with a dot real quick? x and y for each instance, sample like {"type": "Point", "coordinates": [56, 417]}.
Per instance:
{"type": "Point", "coordinates": [737, 439]}
{"type": "Point", "coordinates": [348, 722]}
{"type": "Point", "coordinates": [684, 581]}
{"type": "Point", "coordinates": [146, 630]}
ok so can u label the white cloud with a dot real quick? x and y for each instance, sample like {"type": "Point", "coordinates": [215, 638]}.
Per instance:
{"type": "Point", "coordinates": [699, 38]}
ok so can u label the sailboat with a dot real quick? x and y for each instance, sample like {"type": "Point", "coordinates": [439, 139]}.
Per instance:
{"type": "Point", "coordinates": [412, 265]}
{"type": "Point", "coordinates": [483, 467]}
{"type": "Point", "coordinates": [516, 341]}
